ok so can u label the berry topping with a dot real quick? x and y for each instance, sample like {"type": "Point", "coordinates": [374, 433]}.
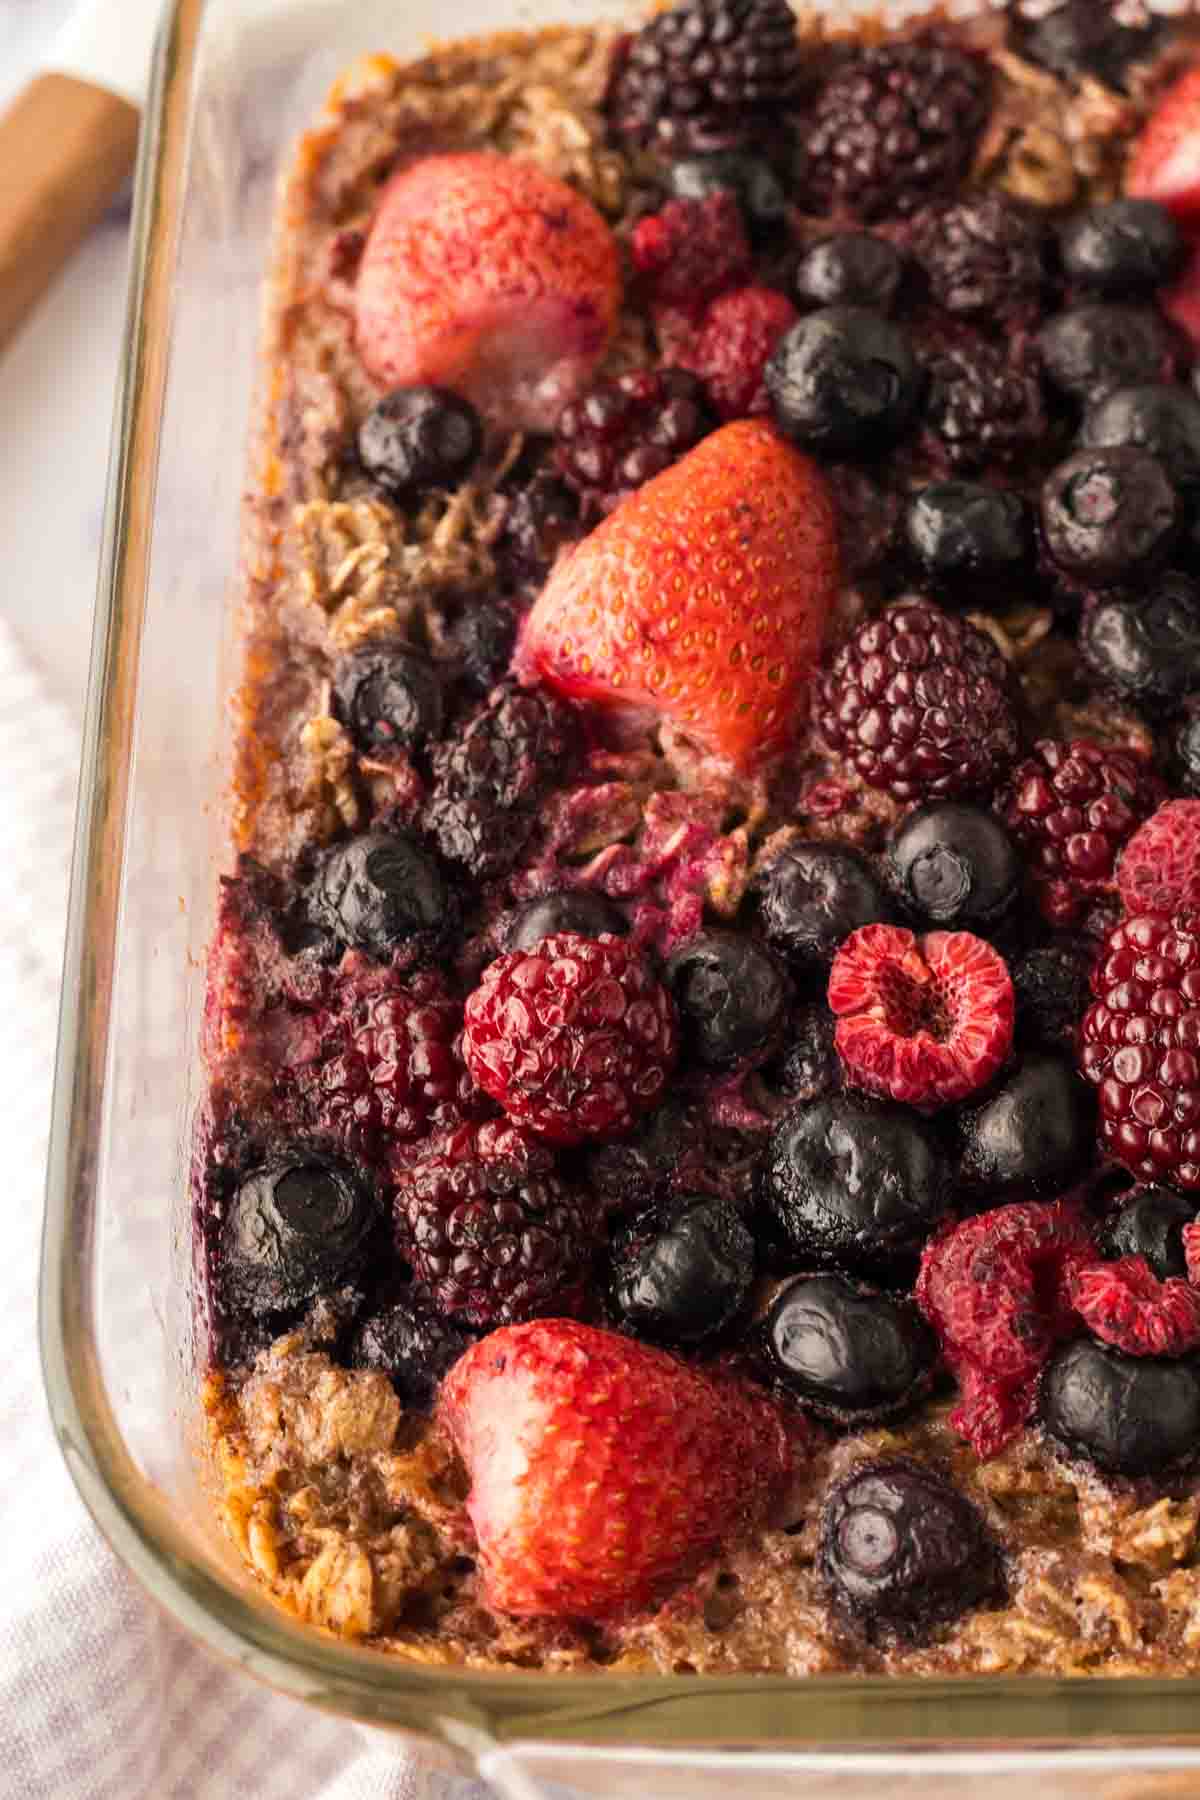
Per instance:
{"type": "Point", "coordinates": [542, 519]}
{"type": "Point", "coordinates": [1160, 870]}
{"type": "Point", "coordinates": [1185, 751]}
{"type": "Point", "coordinates": [663, 1157]}
{"type": "Point", "coordinates": [486, 275]}
{"type": "Point", "coordinates": [1071, 808]}
{"type": "Point", "coordinates": [853, 1184]}
{"type": "Point", "coordinates": [707, 74]}
{"type": "Point", "coordinates": [846, 1351]}
{"type": "Point", "coordinates": [1051, 987]}
{"type": "Point", "coordinates": [684, 1280]}
{"type": "Point", "coordinates": [920, 1021]}
{"type": "Point", "coordinates": [962, 531]}
{"type": "Point", "coordinates": [491, 777]}
{"type": "Point", "coordinates": [388, 697]}
{"type": "Point", "coordinates": [705, 596]}
{"type": "Point", "coordinates": [577, 909]}
{"type": "Point", "coordinates": [603, 1470]}
{"type": "Point", "coordinates": [574, 1038]}
{"type": "Point", "coordinates": [1130, 1415]}
{"type": "Point", "coordinates": [893, 127]}
{"type": "Point", "coordinates": [484, 639]}
{"type": "Point", "coordinates": [1140, 1047]}
{"type": "Point", "coordinates": [376, 892]}
{"type": "Point", "coordinates": [814, 895]}
{"type": "Point", "coordinates": [903, 1552]}
{"type": "Point", "coordinates": [299, 1225]}
{"type": "Point", "coordinates": [731, 995]}
{"type": "Point", "coordinates": [1109, 515]}
{"type": "Point", "coordinates": [1150, 416]}
{"type": "Point", "coordinates": [1146, 647]}
{"type": "Point", "coordinates": [855, 268]}
{"type": "Point", "coordinates": [414, 1349]}
{"type": "Point", "coordinates": [917, 701]}
{"type": "Point", "coordinates": [752, 182]}
{"type": "Point", "coordinates": [1124, 1303]}
{"type": "Point", "coordinates": [843, 381]}
{"type": "Point", "coordinates": [984, 257]}
{"type": "Point", "coordinates": [807, 1067]}
{"type": "Point", "coordinates": [624, 431]}
{"type": "Point", "coordinates": [419, 437]}
{"type": "Point", "coordinates": [1091, 350]}
{"type": "Point", "coordinates": [494, 1240]}
{"type": "Point", "coordinates": [1165, 164]}
{"type": "Point", "coordinates": [1150, 1226]}
{"type": "Point", "coordinates": [1080, 38]}
{"type": "Point", "coordinates": [1121, 247]}
{"type": "Point", "coordinates": [691, 251]}
{"type": "Point", "coordinates": [954, 865]}
{"type": "Point", "coordinates": [983, 405]}
{"type": "Point", "coordinates": [1035, 1133]}
{"type": "Point", "coordinates": [737, 337]}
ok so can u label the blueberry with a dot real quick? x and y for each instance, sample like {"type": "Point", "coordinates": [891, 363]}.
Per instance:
{"type": "Point", "coordinates": [846, 1351]}
{"type": "Point", "coordinates": [960, 529]}
{"type": "Point", "coordinates": [1146, 648]}
{"type": "Point", "coordinates": [1109, 515]}
{"type": "Point", "coordinates": [843, 381]}
{"type": "Point", "coordinates": [732, 997]}
{"type": "Point", "coordinates": [808, 1066]}
{"type": "Point", "coordinates": [419, 437]}
{"type": "Point", "coordinates": [576, 909]}
{"type": "Point", "coordinates": [902, 1551]}
{"type": "Point", "coordinates": [376, 891]}
{"type": "Point", "coordinates": [1185, 751]}
{"type": "Point", "coordinates": [752, 182]}
{"type": "Point", "coordinates": [1051, 984]}
{"type": "Point", "coordinates": [1036, 1130]}
{"type": "Point", "coordinates": [297, 1226]}
{"type": "Point", "coordinates": [1150, 1224]}
{"type": "Point", "coordinates": [542, 518]}
{"type": "Point", "coordinates": [855, 268]}
{"type": "Point", "coordinates": [413, 1348]}
{"type": "Point", "coordinates": [814, 895]}
{"type": "Point", "coordinates": [684, 1281]}
{"type": "Point", "coordinates": [1081, 37]}
{"type": "Point", "coordinates": [387, 695]}
{"type": "Point", "coordinates": [1089, 351]}
{"type": "Point", "coordinates": [484, 639]}
{"type": "Point", "coordinates": [954, 865]}
{"type": "Point", "coordinates": [1121, 247]}
{"type": "Point", "coordinates": [1151, 416]}
{"type": "Point", "coordinates": [851, 1184]}
{"type": "Point", "coordinates": [1130, 1415]}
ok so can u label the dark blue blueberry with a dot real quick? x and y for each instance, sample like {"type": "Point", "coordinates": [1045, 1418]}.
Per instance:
{"type": "Point", "coordinates": [1122, 247]}
{"type": "Point", "coordinates": [684, 1280]}
{"type": "Point", "coordinates": [1109, 515]}
{"type": "Point", "coordinates": [388, 696]}
{"type": "Point", "coordinates": [377, 891]}
{"type": "Point", "coordinates": [844, 382]}
{"type": "Point", "coordinates": [1089, 351]}
{"type": "Point", "coordinates": [732, 996]}
{"type": "Point", "coordinates": [1130, 1415]}
{"type": "Point", "coordinates": [814, 895]}
{"type": "Point", "coordinates": [961, 530]}
{"type": "Point", "coordinates": [414, 1349]}
{"type": "Point", "coordinates": [297, 1226]}
{"type": "Point", "coordinates": [846, 1351]}
{"type": "Point", "coordinates": [575, 909]}
{"type": "Point", "coordinates": [1151, 416]}
{"type": "Point", "coordinates": [954, 865]}
{"type": "Point", "coordinates": [1150, 1223]}
{"type": "Point", "coordinates": [1145, 647]}
{"type": "Point", "coordinates": [419, 437]}
{"type": "Point", "coordinates": [1035, 1131]}
{"type": "Point", "coordinates": [855, 268]}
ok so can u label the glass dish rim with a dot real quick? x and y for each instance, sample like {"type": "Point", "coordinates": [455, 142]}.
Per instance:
{"type": "Point", "coordinates": [465, 1709]}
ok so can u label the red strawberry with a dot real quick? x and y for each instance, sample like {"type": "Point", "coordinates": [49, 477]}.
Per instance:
{"type": "Point", "coordinates": [704, 596]}
{"type": "Point", "coordinates": [603, 1470]}
{"type": "Point", "coordinates": [489, 277]}
{"type": "Point", "coordinates": [1165, 165]}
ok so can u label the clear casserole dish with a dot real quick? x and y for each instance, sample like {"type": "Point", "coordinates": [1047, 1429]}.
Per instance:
{"type": "Point", "coordinates": [234, 82]}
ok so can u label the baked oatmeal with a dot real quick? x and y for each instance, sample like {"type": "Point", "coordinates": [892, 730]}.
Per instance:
{"type": "Point", "coordinates": [701, 1170]}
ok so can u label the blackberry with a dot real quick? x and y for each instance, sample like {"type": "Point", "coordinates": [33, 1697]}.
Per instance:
{"type": "Point", "coordinates": [683, 1280]}
{"type": "Point", "coordinates": [963, 532]}
{"type": "Point", "coordinates": [1034, 1133]}
{"type": "Point", "coordinates": [1150, 1223]}
{"type": "Point", "coordinates": [412, 1347]}
{"type": "Point", "coordinates": [983, 257]}
{"type": "Point", "coordinates": [813, 895]}
{"type": "Point", "coordinates": [855, 268]}
{"type": "Point", "coordinates": [731, 996]}
{"type": "Point", "coordinates": [489, 781]}
{"type": "Point", "coordinates": [917, 702]}
{"type": "Point", "coordinates": [1051, 986]}
{"type": "Point", "coordinates": [808, 1066]}
{"type": "Point", "coordinates": [1109, 515]}
{"type": "Point", "coordinates": [1081, 37]}
{"type": "Point", "coordinates": [982, 406]}
{"type": "Point", "coordinates": [299, 1225]}
{"type": "Point", "coordinates": [1092, 350]}
{"type": "Point", "coordinates": [1130, 1415]}
{"type": "Point", "coordinates": [376, 892]}
{"type": "Point", "coordinates": [665, 1155]}
{"type": "Point", "coordinates": [846, 1351]}
{"type": "Point", "coordinates": [1146, 647]}
{"type": "Point", "coordinates": [627, 430]}
{"type": "Point", "coordinates": [388, 696]}
{"type": "Point", "coordinates": [419, 437]}
{"type": "Point", "coordinates": [1122, 247]}
{"type": "Point", "coordinates": [1155, 417]}
{"type": "Point", "coordinates": [484, 639]}
{"type": "Point", "coordinates": [751, 180]}
{"type": "Point", "coordinates": [542, 519]}
{"type": "Point", "coordinates": [843, 381]}
{"type": "Point", "coordinates": [707, 75]}
{"type": "Point", "coordinates": [954, 866]}
{"type": "Point", "coordinates": [893, 127]}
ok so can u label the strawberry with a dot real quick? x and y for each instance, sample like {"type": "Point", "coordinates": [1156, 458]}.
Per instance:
{"type": "Point", "coordinates": [1165, 164]}
{"type": "Point", "coordinates": [490, 277]}
{"type": "Point", "coordinates": [603, 1470]}
{"type": "Point", "coordinates": [704, 596]}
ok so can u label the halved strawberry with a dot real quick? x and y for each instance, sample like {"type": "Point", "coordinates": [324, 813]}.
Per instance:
{"type": "Point", "coordinates": [1165, 165]}
{"type": "Point", "coordinates": [704, 597]}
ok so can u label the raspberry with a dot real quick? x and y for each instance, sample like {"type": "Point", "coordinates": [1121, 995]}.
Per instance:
{"type": "Point", "coordinates": [627, 430]}
{"type": "Point", "coordinates": [1160, 870]}
{"type": "Point", "coordinates": [1140, 1046]}
{"type": "Point", "coordinates": [1127, 1305]}
{"type": "Point", "coordinates": [492, 1240]}
{"type": "Point", "coordinates": [692, 250]}
{"type": "Point", "coordinates": [730, 350]}
{"type": "Point", "coordinates": [1071, 807]}
{"type": "Point", "coordinates": [917, 702]}
{"type": "Point", "coordinates": [490, 779]}
{"type": "Point", "coordinates": [983, 407]}
{"type": "Point", "coordinates": [707, 74]}
{"type": "Point", "coordinates": [983, 258]}
{"type": "Point", "coordinates": [893, 127]}
{"type": "Point", "coordinates": [922, 1021]}
{"type": "Point", "coordinates": [997, 1291]}
{"type": "Point", "coordinates": [574, 1038]}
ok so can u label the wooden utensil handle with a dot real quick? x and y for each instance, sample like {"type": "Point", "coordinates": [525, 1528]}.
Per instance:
{"type": "Point", "coordinates": [65, 149]}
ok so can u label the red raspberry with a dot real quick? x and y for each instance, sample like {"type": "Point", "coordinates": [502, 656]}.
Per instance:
{"type": "Point", "coordinates": [574, 1038]}
{"type": "Point", "coordinates": [1071, 807]}
{"type": "Point", "coordinates": [1160, 870]}
{"type": "Point", "coordinates": [625, 431]}
{"type": "Point", "coordinates": [997, 1291]}
{"type": "Point", "coordinates": [1140, 1046]}
{"type": "Point", "coordinates": [1191, 1251]}
{"type": "Point", "coordinates": [730, 349]}
{"type": "Point", "coordinates": [692, 250]}
{"type": "Point", "coordinates": [1127, 1305]}
{"type": "Point", "coordinates": [923, 1021]}
{"type": "Point", "coordinates": [918, 703]}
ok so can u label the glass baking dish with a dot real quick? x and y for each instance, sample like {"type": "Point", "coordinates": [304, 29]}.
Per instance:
{"type": "Point", "coordinates": [234, 81]}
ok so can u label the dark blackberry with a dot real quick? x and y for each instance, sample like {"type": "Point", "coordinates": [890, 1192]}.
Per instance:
{"type": "Point", "coordinates": [846, 1351]}
{"type": "Point", "coordinates": [419, 437]}
{"type": "Point", "coordinates": [690, 251]}
{"type": "Point", "coordinates": [1130, 1415]}
{"type": "Point", "coordinates": [1150, 1223]}
{"type": "Point", "coordinates": [1034, 1133]}
{"type": "Point", "coordinates": [542, 519]}
{"type": "Point", "coordinates": [299, 1225]}
{"type": "Point", "coordinates": [412, 1347]}
{"type": "Point", "coordinates": [731, 995]}
{"type": "Point", "coordinates": [377, 892]}
{"type": "Point", "coordinates": [684, 1279]}
{"type": "Point", "coordinates": [1082, 37]}
{"type": "Point", "coordinates": [954, 866]}
{"type": "Point", "coordinates": [707, 75]}
{"type": "Point", "coordinates": [490, 779]}
{"type": "Point", "coordinates": [856, 268]}
{"type": "Point", "coordinates": [1109, 515]}
{"type": "Point", "coordinates": [751, 180]}
{"type": "Point", "coordinates": [983, 257]}
{"type": "Point", "coordinates": [983, 406]}
{"type": "Point", "coordinates": [843, 381]}
{"type": "Point", "coordinates": [963, 532]}
{"type": "Point", "coordinates": [1092, 350]}
{"type": "Point", "coordinates": [627, 430]}
{"type": "Point", "coordinates": [813, 895]}
{"type": "Point", "coordinates": [893, 127]}
{"type": "Point", "coordinates": [1051, 986]}
{"type": "Point", "coordinates": [1121, 247]}
{"type": "Point", "coordinates": [807, 1067]}
{"type": "Point", "coordinates": [664, 1155]}
{"type": "Point", "coordinates": [1163, 420]}
{"type": "Point", "coordinates": [388, 696]}
{"type": "Point", "coordinates": [484, 639]}
{"type": "Point", "coordinates": [577, 909]}
{"type": "Point", "coordinates": [1146, 648]}
{"type": "Point", "coordinates": [918, 703]}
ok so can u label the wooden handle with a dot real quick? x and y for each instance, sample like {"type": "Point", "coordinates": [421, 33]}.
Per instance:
{"type": "Point", "coordinates": [65, 149]}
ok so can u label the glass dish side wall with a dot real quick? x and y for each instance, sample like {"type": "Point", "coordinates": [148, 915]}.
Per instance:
{"type": "Point", "coordinates": [236, 81]}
